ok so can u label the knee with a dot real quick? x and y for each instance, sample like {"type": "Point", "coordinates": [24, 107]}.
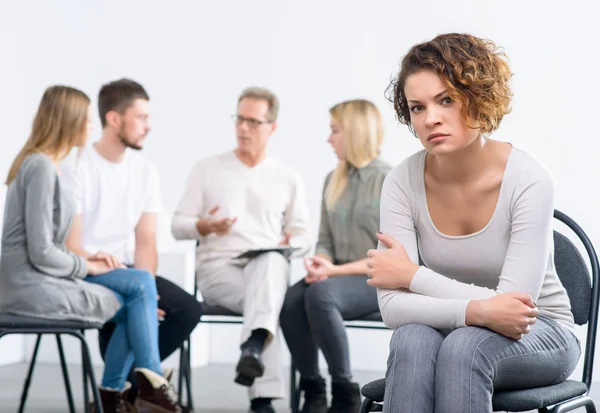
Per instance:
{"type": "Point", "coordinates": [318, 297]}
{"type": "Point", "coordinates": [412, 341]}
{"type": "Point", "coordinates": [193, 311]}
{"type": "Point", "coordinates": [143, 282]}
{"type": "Point", "coordinates": [463, 348]}
{"type": "Point", "coordinates": [293, 303]}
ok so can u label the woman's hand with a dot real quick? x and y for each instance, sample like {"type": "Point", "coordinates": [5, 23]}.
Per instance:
{"type": "Point", "coordinates": [509, 314]}
{"type": "Point", "coordinates": [392, 268]}
{"type": "Point", "coordinates": [97, 267]}
{"type": "Point", "coordinates": [318, 268]}
{"type": "Point", "coordinates": [110, 260]}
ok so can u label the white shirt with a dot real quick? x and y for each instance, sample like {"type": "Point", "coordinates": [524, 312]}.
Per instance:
{"type": "Point", "coordinates": [111, 198]}
{"type": "Point", "coordinates": [514, 252]}
{"type": "Point", "coordinates": [268, 201]}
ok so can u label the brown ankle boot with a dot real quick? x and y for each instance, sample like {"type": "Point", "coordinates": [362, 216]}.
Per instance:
{"type": "Point", "coordinates": [113, 401]}
{"type": "Point", "coordinates": [155, 394]}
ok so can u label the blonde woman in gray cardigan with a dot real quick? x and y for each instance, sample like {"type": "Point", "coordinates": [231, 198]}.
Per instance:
{"type": "Point", "coordinates": [40, 278]}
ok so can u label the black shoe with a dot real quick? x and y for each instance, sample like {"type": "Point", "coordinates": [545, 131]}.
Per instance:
{"type": "Point", "coordinates": [249, 367]}
{"type": "Point", "coordinates": [346, 397]}
{"type": "Point", "coordinates": [315, 399]}
{"type": "Point", "coordinates": [263, 409]}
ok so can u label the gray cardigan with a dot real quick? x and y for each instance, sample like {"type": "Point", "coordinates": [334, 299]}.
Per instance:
{"type": "Point", "coordinates": [38, 276]}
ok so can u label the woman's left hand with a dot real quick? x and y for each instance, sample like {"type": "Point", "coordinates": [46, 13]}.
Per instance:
{"type": "Point", "coordinates": [392, 268]}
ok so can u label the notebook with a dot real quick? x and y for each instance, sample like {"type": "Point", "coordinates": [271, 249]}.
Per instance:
{"type": "Point", "coordinates": [285, 251]}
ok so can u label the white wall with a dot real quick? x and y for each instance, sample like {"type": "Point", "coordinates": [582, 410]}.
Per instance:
{"type": "Point", "coordinates": [195, 57]}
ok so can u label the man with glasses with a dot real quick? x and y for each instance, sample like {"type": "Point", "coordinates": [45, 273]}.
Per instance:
{"type": "Point", "coordinates": [238, 201]}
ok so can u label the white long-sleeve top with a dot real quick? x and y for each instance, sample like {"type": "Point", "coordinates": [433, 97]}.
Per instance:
{"type": "Point", "coordinates": [514, 252]}
{"type": "Point", "coordinates": [268, 201]}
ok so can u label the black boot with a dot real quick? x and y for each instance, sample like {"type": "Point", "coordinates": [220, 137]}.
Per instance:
{"type": "Point", "coordinates": [315, 399]}
{"type": "Point", "coordinates": [346, 397]}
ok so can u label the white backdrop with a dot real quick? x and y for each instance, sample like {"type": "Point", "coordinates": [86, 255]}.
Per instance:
{"type": "Point", "coordinates": [195, 57]}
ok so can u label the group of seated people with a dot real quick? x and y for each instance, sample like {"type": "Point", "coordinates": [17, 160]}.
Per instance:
{"type": "Point", "coordinates": [453, 246]}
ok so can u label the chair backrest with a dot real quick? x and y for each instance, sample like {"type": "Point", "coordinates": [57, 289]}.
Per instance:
{"type": "Point", "coordinates": [574, 275]}
{"type": "Point", "coordinates": [582, 286]}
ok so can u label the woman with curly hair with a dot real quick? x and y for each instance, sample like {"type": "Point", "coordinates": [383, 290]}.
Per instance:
{"type": "Point", "coordinates": [485, 311]}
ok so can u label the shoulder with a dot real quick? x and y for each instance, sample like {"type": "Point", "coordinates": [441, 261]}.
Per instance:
{"type": "Point", "coordinates": [37, 163]}
{"type": "Point", "coordinates": [408, 173]}
{"type": "Point", "coordinates": [526, 171]}
{"type": "Point", "coordinates": [381, 167]}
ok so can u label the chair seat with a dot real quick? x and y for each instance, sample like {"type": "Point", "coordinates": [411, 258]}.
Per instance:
{"type": "Point", "coordinates": [214, 310]}
{"type": "Point", "coordinates": [374, 390]}
{"type": "Point", "coordinates": [376, 316]}
{"type": "Point", "coordinates": [530, 399]}
{"type": "Point", "coordinates": [17, 321]}
{"type": "Point", "coordinates": [512, 401]}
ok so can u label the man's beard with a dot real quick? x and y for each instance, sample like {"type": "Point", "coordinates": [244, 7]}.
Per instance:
{"type": "Point", "coordinates": [126, 142]}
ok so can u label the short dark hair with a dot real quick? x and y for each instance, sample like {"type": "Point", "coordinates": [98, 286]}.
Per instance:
{"type": "Point", "coordinates": [475, 71]}
{"type": "Point", "coordinates": [118, 95]}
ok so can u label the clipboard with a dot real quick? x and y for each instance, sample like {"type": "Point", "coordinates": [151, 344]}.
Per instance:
{"type": "Point", "coordinates": [285, 251]}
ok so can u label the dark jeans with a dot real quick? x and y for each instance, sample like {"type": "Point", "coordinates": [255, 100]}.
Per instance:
{"type": "Point", "coordinates": [183, 312]}
{"type": "Point", "coordinates": [313, 317]}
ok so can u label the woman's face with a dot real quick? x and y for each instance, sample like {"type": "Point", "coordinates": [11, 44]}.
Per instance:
{"type": "Point", "coordinates": [336, 140]}
{"type": "Point", "coordinates": [435, 117]}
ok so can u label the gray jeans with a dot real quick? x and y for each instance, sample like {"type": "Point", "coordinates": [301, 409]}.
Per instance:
{"type": "Point", "coordinates": [458, 373]}
{"type": "Point", "coordinates": [313, 317]}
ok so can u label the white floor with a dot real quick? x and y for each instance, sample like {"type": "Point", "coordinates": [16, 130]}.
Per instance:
{"type": "Point", "coordinates": [214, 390]}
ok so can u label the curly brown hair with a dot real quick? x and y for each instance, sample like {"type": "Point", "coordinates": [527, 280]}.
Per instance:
{"type": "Point", "coordinates": [474, 70]}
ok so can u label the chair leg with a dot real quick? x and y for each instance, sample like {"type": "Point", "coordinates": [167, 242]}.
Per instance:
{"type": "Point", "coordinates": [29, 374]}
{"type": "Point", "coordinates": [86, 395]}
{"type": "Point", "coordinates": [188, 366]}
{"type": "Point", "coordinates": [180, 372]}
{"type": "Point", "coordinates": [366, 405]}
{"type": "Point", "coordinates": [568, 406]}
{"type": "Point", "coordinates": [65, 372]}
{"type": "Point", "coordinates": [88, 371]}
{"type": "Point", "coordinates": [294, 390]}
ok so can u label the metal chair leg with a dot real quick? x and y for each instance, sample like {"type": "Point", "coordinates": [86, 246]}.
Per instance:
{"type": "Point", "coordinates": [188, 366]}
{"type": "Point", "coordinates": [294, 390]}
{"type": "Point", "coordinates": [182, 355]}
{"type": "Point", "coordinates": [88, 371]}
{"type": "Point", "coordinates": [29, 374]}
{"type": "Point", "coordinates": [366, 405]}
{"type": "Point", "coordinates": [86, 395]}
{"type": "Point", "coordinates": [570, 405]}
{"type": "Point", "coordinates": [65, 372]}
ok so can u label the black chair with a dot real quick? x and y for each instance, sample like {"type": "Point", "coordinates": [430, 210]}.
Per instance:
{"type": "Point", "coordinates": [12, 324]}
{"type": "Point", "coordinates": [583, 292]}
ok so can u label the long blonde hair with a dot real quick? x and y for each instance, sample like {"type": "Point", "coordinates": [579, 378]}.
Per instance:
{"type": "Point", "coordinates": [363, 131]}
{"type": "Point", "coordinates": [59, 125]}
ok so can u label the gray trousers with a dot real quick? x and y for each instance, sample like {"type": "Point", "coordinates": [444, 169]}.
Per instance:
{"type": "Point", "coordinates": [458, 373]}
{"type": "Point", "coordinates": [313, 317]}
{"type": "Point", "coordinates": [256, 290]}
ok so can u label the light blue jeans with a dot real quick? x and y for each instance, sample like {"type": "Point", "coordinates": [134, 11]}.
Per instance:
{"type": "Point", "coordinates": [135, 338]}
{"type": "Point", "coordinates": [458, 373]}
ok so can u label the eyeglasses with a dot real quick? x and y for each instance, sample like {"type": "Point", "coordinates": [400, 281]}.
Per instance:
{"type": "Point", "coordinates": [252, 123]}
